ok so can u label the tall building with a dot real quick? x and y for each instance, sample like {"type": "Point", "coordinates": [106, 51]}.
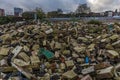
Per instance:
{"type": "Point", "coordinates": [83, 8]}
{"type": "Point", "coordinates": [2, 12]}
{"type": "Point", "coordinates": [18, 12]}
{"type": "Point", "coordinates": [119, 12]}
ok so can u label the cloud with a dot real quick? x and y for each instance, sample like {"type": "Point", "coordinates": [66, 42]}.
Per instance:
{"type": "Point", "coordinates": [103, 5]}
{"type": "Point", "coordinates": [66, 5]}
{"type": "Point", "coordinates": [46, 5]}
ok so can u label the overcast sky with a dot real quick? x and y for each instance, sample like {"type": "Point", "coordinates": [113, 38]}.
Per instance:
{"type": "Point", "coordinates": [66, 5]}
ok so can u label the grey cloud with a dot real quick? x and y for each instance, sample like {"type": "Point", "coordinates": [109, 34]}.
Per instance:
{"type": "Point", "coordinates": [46, 5]}
{"type": "Point", "coordinates": [66, 5]}
{"type": "Point", "coordinates": [103, 5]}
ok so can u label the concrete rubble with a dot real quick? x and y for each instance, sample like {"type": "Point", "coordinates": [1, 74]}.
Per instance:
{"type": "Point", "coordinates": [61, 51]}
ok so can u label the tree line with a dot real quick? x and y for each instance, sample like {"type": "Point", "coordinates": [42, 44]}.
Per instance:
{"type": "Point", "coordinates": [42, 15]}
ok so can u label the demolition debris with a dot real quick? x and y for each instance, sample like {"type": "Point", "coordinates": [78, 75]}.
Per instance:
{"type": "Point", "coordinates": [61, 51]}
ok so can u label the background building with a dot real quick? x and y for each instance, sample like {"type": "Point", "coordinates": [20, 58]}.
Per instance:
{"type": "Point", "coordinates": [2, 12]}
{"type": "Point", "coordinates": [102, 13]}
{"type": "Point", "coordinates": [83, 8]}
{"type": "Point", "coordinates": [109, 13]}
{"type": "Point", "coordinates": [18, 12]}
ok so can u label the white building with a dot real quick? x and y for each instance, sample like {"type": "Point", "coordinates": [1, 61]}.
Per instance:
{"type": "Point", "coordinates": [110, 14]}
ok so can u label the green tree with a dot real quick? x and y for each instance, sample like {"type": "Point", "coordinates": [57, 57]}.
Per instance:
{"type": "Point", "coordinates": [4, 20]}
{"type": "Point", "coordinates": [52, 14]}
{"type": "Point", "coordinates": [28, 15]}
{"type": "Point", "coordinates": [59, 11]}
{"type": "Point", "coordinates": [40, 13]}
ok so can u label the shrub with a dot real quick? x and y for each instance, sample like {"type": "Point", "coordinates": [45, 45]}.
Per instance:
{"type": "Point", "coordinates": [95, 22]}
{"type": "Point", "coordinates": [8, 19]}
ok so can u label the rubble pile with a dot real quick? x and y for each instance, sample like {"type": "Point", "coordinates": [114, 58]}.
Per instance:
{"type": "Point", "coordinates": [60, 51]}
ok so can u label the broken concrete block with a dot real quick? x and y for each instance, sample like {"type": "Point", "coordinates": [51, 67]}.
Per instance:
{"type": "Point", "coordinates": [109, 46]}
{"type": "Point", "coordinates": [88, 70]}
{"type": "Point", "coordinates": [116, 43]}
{"type": "Point", "coordinates": [12, 69]}
{"type": "Point", "coordinates": [69, 63]}
{"type": "Point", "coordinates": [24, 56]}
{"type": "Point", "coordinates": [117, 71]}
{"type": "Point", "coordinates": [6, 37]}
{"type": "Point", "coordinates": [104, 35]}
{"type": "Point", "coordinates": [14, 78]}
{"type": "Point", "coordinates": [47, 76]}
{"type": "Point", "coordinates": [112, 54]}
{"type": "Point", "coordinates": [25, 73]}
{"type": "Point", "coordinates": [7, 69]}
{"type": "Point", "coordinates": [117, 78]}
{"type": "Point", "coordinates": [44, 42]}
{"type": "Point", "coordinates": [79, 49]}
{"type": "Point", "coordinates": [80, 60]}
{"type": "Point", "coordinates": [105, 73]}
{"type": "Point", "coordinates": [26, 49]}
{"type": "Point", "coordinates": [14, 33]}
{"type": "Point", "coordinates": [1, 57]}
{"type": "Point", "coordinates": [49, 31]}
{"type": "Point", "coordinates": [52, 44]}
{"type": "Point", "coordinates": [106, 40]}
{"type": "Point", "coordinates": [83, 39]}
{"type": "Point", "coordinates": [114, 37]}
{"type": "Point", "coordinates": [2, 75]}
{"type": "Point", "coordinates": [47, 64]}
{"type": "Point", "coordinates": [91, 47]}
{"type": "Point", "coordinates": [102, 65]}
{"type": "Point", "coordinates": [73, 43]}
{"type": "Point", "coordinates": [3, 62]}
{"type": "Point", "coordinates": [4, 51]}
{"type": "Point", "coordinates": [34, 59]}
{"type": "Point", "coordinates": [16, 51]}
{"type": "Point", "coordinates": [35, 47]}
{"type": "Point", "coordinates": [57, 54]}
{"type": "Point", "coordinates": [20, 62]}
{"type": "Point", "coordinates": [69, 75]}
{"type": "Point", "coordinates": [65, 52]}
{"type": "Point", "coordinates": [58, 45]}
{"type": "Point", "coordinates": [87, 77]}
{"type": "Point", "coordinates": [62, 66]}
{"type": "Point", "coordinates": [75, 55]}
